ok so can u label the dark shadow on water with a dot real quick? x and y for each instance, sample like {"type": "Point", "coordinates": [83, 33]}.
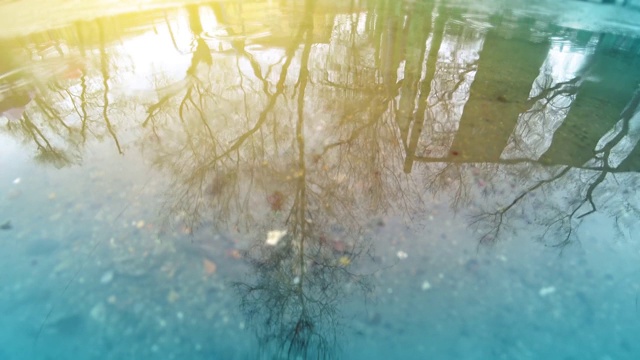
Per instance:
{"type": "Point", "coordinates": [67, 325]}
{"type": "Point", "coordinates": [42, 247]}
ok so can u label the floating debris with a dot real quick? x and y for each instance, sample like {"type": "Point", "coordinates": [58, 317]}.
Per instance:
{"type": "Point", "coordinates": [274, 237]}
{"type": "Point", "coordinates": [338, 246]}
{"type": "Point", "coordinates": [172, 296]}
{"type": "Point", "coordinates": [17, 181]}
{"type": "Point", "coordinates": [234, 254]}
{"type": "Point", "coordinates": [402, 255]}
{"type": "Point", "coordinates": [344, 261]}
{"type": "Point", "coordinates": [99, 312]}
{"type": "Point", "coordinates": [106, 277]}
{"type": "Point", "coordinates": [276, 200]}
{"type": "Point", "coordinates": [209, 267]}
{"type": "Point", "coordinates": [547, 290]}
{"type": "Point", "coordinates": [425, 285]}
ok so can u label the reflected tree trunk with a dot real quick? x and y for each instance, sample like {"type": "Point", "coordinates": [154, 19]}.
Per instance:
{"type": "Point", "coordinates": [418, 30]}
{"type": "Point", "coordinates": [500, 90]}
{"type": "Point", "coordinates": [423, 113]}
{"type": "Point", "coordinates": [604, 90]}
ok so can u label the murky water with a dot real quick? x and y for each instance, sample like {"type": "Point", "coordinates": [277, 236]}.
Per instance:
{"type": "Point", "coordinates": [315, 179]}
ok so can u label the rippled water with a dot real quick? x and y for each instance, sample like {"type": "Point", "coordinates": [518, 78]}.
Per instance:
{"type": "Point", "coordinates": [315, 179]}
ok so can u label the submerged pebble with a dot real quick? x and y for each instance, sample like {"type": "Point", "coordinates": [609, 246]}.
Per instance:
{"type": "Point", "coordinates": [106, 277]}
{"type": "Point", "coordinates": [6, 225]}
{"type": "Point", "coordinates": [425, 285]}
{"type": "Point", "coordinates": [547, 290]}
{"type": "Point", "coordinates": [99, 312]}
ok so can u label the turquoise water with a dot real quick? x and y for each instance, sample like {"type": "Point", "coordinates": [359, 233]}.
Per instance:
{"type": "Point", "coordinates": [303, 180]}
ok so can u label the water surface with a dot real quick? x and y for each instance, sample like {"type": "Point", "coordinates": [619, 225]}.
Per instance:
{"type": "Point", "coordinates": [315, 179]}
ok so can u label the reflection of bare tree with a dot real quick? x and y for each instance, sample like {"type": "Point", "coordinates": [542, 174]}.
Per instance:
{"type": "Point", "coordinates": [253, 154]}
{"type": "Point", "coordinates": [430, 103]}
{"type": "Point", "coordinates": [591, 183]}
{"type": "Point", "coordinates": [67, 103]}
{"type": "Point", "coordinates": [226, 128]}
{"type": "Point", "coordinates": [494, 222]}
{"type": "Point", "coordinates": [104, 70]}
{"type": "Point", "coordinates": [294, 299]}
{"type": "Point", "coordinates": [42, 127]}
{"type": "Point", "coordinates": [48, 153]}
{"type": "Point", "coordinates": [550, 104]}
{"type": "Point", "coordinates": [220, 172]}
{"type": "Point", "coordinates": [191, 85]}
{"type": "Point", "coordinates": [320, 194]}
{"type": "Point", "coordinates": [469, 164]}
{"type": "Point", "coordinates": [293, 302]}
{"type": "Point", "coordinates": [211, 175]}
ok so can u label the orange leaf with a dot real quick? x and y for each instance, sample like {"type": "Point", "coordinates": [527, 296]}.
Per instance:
{"type": "Point", "coordinates": [209, 267]}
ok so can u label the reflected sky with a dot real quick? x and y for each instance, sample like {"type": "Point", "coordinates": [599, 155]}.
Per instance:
{"type": "Point", "coordinates": [303, 156]}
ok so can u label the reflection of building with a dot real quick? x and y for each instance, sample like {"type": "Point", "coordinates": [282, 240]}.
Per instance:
{"type": "Point", "coordinates": [505, 70]}
{"type": "Point", "coordinates": [465, 93]}
{"type": "Point", "coordinates": [530, 101]}
{"type": "Point", "coordinates": [607, 88]}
